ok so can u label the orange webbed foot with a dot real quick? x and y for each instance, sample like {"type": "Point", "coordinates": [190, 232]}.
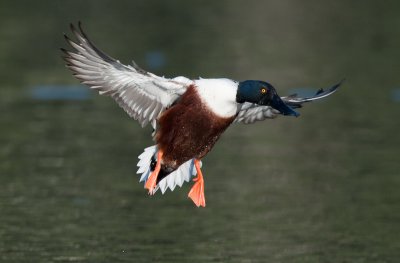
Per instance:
{"type": "Point", "coordinates": [197, 191]}
{"type": "Point", "coordinates": [152, 180]}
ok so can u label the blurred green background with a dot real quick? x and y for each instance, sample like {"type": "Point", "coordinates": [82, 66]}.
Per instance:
{"type": "Point", "coordinates": [324, 187]}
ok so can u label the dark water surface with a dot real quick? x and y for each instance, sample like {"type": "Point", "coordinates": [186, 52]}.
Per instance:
{"type": "Point", "coordinates": [324, 187]}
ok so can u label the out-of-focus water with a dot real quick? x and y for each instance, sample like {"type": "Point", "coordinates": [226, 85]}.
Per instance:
{"type": "Point", "coordinates": [320, 188]}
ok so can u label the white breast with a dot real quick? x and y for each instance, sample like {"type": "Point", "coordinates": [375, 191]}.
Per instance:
{"type": "Point", "coordinates": [219, 95]}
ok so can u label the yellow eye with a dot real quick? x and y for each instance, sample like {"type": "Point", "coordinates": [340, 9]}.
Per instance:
{"type": "Point", "coordinates": [263, 90]}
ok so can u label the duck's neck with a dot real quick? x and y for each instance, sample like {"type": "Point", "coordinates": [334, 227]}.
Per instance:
{"type": "Point", "coordinates": [219, 95]}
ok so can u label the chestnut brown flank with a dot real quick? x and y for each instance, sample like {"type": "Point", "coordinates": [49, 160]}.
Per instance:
{"type": "Point", "coordinates": [187, 130]}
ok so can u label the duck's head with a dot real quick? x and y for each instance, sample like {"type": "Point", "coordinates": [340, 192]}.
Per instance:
{"type": "Point", "coordinates": [262, 93]}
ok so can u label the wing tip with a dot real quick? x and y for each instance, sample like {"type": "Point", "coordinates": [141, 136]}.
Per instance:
{"type": "Point", "coordinates": [323, 93]}
{"type": "Point", "coordinates": [339, 84]}
{"type": "Point", "coordinates": [72, 27]}
{"type": "Point", "coordinates": [335, 87]}
{"type": "Point", "coordinates": [80, 26]}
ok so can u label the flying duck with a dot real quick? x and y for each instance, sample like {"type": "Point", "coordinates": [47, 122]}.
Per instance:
{"type": "Point", "coordinates": [188, 116]}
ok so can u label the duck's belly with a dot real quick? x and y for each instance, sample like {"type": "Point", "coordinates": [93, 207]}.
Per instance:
{"type": "Point", "coordinates": [188, 130]}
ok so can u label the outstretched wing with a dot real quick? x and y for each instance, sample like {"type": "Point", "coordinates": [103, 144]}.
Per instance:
{"type": "Point", "coordinates": [141, 94]}
{"type": "Point", "coordinates": [251, 112]}
{"type": "Point", "coordinates": [295, 102]}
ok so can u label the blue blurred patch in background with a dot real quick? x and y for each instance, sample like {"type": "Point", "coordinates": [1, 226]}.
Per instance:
{"type": "Point", "coordinates": [155, 60]}
{"type": "Point", "coordinates": [395, 95]}
{"type": "Point", "coordinates": [60, 92]}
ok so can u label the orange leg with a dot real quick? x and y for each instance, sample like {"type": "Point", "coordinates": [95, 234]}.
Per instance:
{"type": "Point", "coordinates": [197, 191]}
{"type": "Point", "coordinates": [152, 180]}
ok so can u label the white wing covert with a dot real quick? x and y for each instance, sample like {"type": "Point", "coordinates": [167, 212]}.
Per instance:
{"type": "Point", "coordinates": [141, 94]}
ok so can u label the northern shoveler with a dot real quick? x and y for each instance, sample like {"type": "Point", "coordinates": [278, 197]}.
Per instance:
{"type": "Point", "coordinates": [188, 116]}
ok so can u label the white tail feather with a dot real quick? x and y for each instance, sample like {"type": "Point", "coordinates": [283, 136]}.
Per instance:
{"type": "Point", "coordinates": [184, 173]}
